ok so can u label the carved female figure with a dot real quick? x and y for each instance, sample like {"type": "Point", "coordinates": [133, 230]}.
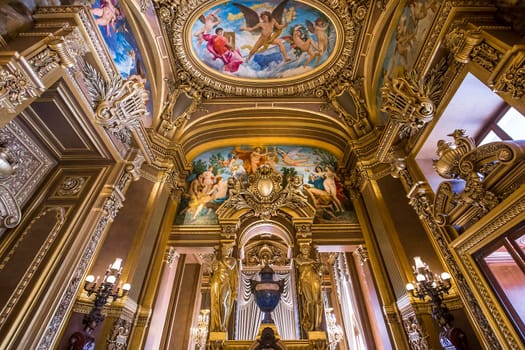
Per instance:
{"type": "Point", "coordinates": [223, 289]}
{"type": "Point", "coordinates": [309, 289]}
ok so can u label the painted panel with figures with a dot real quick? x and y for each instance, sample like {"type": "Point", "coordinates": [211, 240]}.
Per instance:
{"type": "Point", "coordinates": [207, 186]}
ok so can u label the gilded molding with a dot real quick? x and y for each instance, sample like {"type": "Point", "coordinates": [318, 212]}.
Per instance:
{"type": "Point", "coordinates": [60, 214]}
{"type": "Point", "coordinates": [77, 46]}
{"type": "Point", "coordinates": [10, 213]}
{"type": "Point", "coordinates": [110, 208]}
{"type": "Point", "coordinates": [419, 199]}
{"type": "Point", "coordinates": [440, 22]}
{"type": "Point", "coordinates": [44, 62]}
{"type": "Point", "coordinates": [18, 148]}
{"type": "Point", "coordinates": [344, 84]}
{"type": "Point", "coordinates": [174, 15]}
{"type": "Point", "coordinates": [464, 249]}
{"type": "Point", "coordinates": [481, 177]}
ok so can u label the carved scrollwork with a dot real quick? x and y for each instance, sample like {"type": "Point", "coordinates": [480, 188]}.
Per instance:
{"type": "Point", "coordinates": [45, 61]}
{"type": "Point", "coordinates": [15, 88]}
{"type": "Point", "coordinates": [409, 101]}
{"type": "Point", "coordinates": [118, 338]}
{"type": "Point", "coordinates": [10, 214]}
{"type": "Point", "coordinates": [264, 195]}
{"type": "Point", "coordinates": [481, 177]}
{"type": "Point", "coordinates": [264, 253]}
{"type": "Point", "coordinates": [118, 104]}
{"type": "Point", "coordinates": [486, 56]}
{"type": "Point", "coordinates": [513, 80]}
{"type": "Point", "coordinates": [447, 165]}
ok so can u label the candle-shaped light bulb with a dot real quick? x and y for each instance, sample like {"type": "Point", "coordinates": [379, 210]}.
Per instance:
{"type": "Point", "coordinates": [116, 264]}
{"type": "Point", "coordinates": [90, 279]}
{"type": "Point", "coordinates": [419, 262]}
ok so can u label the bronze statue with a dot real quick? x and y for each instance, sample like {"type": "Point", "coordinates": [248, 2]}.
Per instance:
{"type": "Point", "coordinates": [223, 289]}
{"type": "Point", "coordinates": [309, 289]}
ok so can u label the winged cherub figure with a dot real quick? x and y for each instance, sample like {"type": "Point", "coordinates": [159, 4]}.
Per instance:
{"type": "Point", "coordinates": [269, 26]}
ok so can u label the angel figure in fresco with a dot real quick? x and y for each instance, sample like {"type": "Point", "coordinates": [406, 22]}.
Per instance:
{"type": "Point", "coordinates": [106, 15]}
{"type": "Point", "coordinates": [288, 160]}
{"type": "Point", "coordinates": [220, 48]}
{"type": "Point", "coordinates": [302, 43]}
{"type": "Point", "coordinates": [210, 21]}
{"type": "Point", "coordinates": [270, 26]}
{"type": "Point", "coordinates": [320, 29]}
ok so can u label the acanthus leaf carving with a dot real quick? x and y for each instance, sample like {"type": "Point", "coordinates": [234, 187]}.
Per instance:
{"type": "Point", "coordinates": [16, 84]}
{"type": "Point", "coordinates": [118, 104]}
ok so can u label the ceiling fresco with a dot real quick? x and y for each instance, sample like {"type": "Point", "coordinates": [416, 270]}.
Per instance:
{"type": "Point", "coordinates": [207, 186]}
{"type": "Point", "coordinates": [407, 40]}
{"type": "Point", "coordinates": [121, 43]}
{"type": "Point", "coordinates": [263, 40]}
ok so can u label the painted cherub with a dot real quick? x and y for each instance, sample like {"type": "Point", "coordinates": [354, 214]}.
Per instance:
{"type": "Point", "coordinates": [302, 43]}
{"type": "Point", "coordinates": [210, 21]}
{"type": "Point", "coordinates": [320, 28]}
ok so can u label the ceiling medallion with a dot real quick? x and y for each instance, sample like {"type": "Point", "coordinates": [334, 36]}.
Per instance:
{"type": "Point", "coordinates": [274, 48]}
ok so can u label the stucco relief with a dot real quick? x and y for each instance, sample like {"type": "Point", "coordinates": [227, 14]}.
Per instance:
{"type": "Point", "coordinates": [37, 164]}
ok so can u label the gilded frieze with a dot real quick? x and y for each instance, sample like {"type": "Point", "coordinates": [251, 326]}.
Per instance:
{"type": "Point", "coordinates": [486, 56]}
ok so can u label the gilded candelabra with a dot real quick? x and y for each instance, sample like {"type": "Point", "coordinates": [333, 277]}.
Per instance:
{"type": "Point", "coordinates": [200, 333]}
{"type": "Point", "coordinates": [108, 288]}
{"type": "Point", "coordinates": [435, 286]}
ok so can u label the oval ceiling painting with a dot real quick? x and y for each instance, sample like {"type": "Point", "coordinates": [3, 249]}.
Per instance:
{"type": "Point", "coordinates": [275, 39]}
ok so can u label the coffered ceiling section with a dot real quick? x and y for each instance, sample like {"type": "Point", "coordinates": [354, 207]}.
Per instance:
{"type": "Point", "coordinates": [264, 49]}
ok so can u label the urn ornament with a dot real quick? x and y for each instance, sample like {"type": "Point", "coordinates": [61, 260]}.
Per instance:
{"type": "Point", "coordinates": [267, 292]}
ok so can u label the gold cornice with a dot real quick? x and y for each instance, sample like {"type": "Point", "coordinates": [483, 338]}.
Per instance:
{"type": "Point", "coordinates": [251, 126]}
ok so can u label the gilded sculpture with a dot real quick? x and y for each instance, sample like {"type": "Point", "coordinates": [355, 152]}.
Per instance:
{"type": "Point", "coordinates": [223, 288]}
{"type": "Point", "coordinates": [309, 289]}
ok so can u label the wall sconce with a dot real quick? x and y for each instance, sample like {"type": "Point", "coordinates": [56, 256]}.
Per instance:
{"type": "Point", "coordinates": [435, 286]}
{"type": "Point", "coordinates": [103, 291]}
{"type": "Point", "coordinates": [199, 334]}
